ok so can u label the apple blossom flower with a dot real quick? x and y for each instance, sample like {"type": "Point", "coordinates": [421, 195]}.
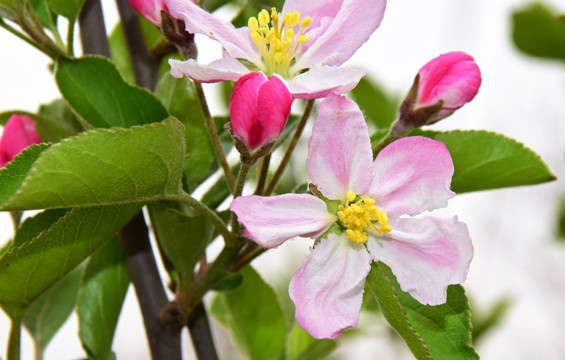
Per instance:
{"type": "Point", "coordinates": [305, 43]}
{"type": "Point", "coordinates": [150, 9]}
{"type": "Point", "coordinates": [259, 108]}
{"type": "Point", "coordinates": [19, 133]}
{"type": "Point", "coordinates": [363, 212]}
{"type": "Point", "coordinates": [452, 79]}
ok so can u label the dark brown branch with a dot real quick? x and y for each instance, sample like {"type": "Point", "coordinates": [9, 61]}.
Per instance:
{"type": "Point", "coordinates": [201, 334]}
{"type": "Point", "coordinates": [92, 30]}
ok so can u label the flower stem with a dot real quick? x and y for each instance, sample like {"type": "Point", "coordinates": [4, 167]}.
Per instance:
{"type": "Point", "coordinates": [243, 172]}
{"type": "Point", "coordinates": [70, 38]}
{"type": "Point", "coordinates": [396, 131]}
{"type": "Point", "coordinates": [206, 212]}
{"type": "Point", "coordinates": [14, 340]}
{"type": "Point", "coordinates": [291, 146]}
{"type": "Point", "coordinates": [263, 172]}
{"type": "Point", "coordinates": [214, 135]}
{"type": "Point", "coordinates": [21, 36]}
{"type": "Point", "coordinates": [250, 252]}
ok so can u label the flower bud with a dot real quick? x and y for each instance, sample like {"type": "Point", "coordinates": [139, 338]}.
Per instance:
{"type": "Point", "coordinates": [259, 108]}
{"type": "Point", "coordinates": [150, 9]}
{"type": "Point", "coordinates": [18, 134]}
{"type": "Point", "coordinates": [453, 78]}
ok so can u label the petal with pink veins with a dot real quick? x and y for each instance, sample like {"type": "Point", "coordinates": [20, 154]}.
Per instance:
{"type": "Point", "coordinates": [425, 254]}
{"type": "Point", "coordinates": [340, 156]}
{"type": "Point", "coordinates": [328, 288]}
{"type": "Point", "coordinates": [237, 42]}
{"type": "Point", "coordinates": [321, 81]}
{"type": "Point", "coordinates": [412, 175]}
{"type": "Point", "coordinates": [270, 221]}
{"type": "Point", "coordinates": [223, 69]}
{"type": "Point", "coordinates": [352, 26]}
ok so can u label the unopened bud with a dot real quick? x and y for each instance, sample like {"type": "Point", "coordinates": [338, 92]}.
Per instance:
{"type": "Point", "coordinates": [19, 133]}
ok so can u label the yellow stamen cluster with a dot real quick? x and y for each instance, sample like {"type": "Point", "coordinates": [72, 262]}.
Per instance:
{"type": "Point", "coordinates": [278, 43]}
{"type": "Point", "coordinates": [361, 215]}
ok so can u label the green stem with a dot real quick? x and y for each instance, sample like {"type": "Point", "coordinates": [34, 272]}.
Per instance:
{"type": "Point", "coordinates": [21, 36]}
{"type": "Point", "coordinates": [291, 146]}
{"type": "Point", "coordinates": [263, 172]}
{"type": "Point", "coordinates": [250, 252]}
{"type": "Point", "coordinates": [206, 212]}
{"type": "Point", "coordinates": [395, 132]}
{"type": "Point", "coordinates": [243, 172]}
{"type": "Point", "coordinates": [70, 38]}
{"type": "Point", "coordinates": [14, 340]}
{"type": "Point", "coordinates": [214, 135]}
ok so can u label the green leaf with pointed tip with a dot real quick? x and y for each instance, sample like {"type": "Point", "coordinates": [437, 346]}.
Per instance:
{"type": "Point", "coordinates": [99, 167]}
{"type": "Point", "coordinates": [50, 310]}
{"type": "Point", "coordinates": [484, 160]}
{"type": "Point", "coordinates": [302, 346]}
{"type": "Point", "coordinates": [27, 271]}
{"type": "Point", "coordinates": [440, 332]}
{"type": "Point", "coordinates": [183, 238]}
{"type": "Point", "coordinates": [94, 88]}
{"type": "Point", "coordinates": [179, 97]}
{"type": "Point", "coordinates": [33, 226]}
{"type": "Point", "coordinates": [538, 31]}
{"type": "Point", "coordinates": [379, 108]}
{"type": "Point", "coordinates": [254, 316]}
{"type": "Point", "coordinates": [104, 286]}
{"type": "Point", "coordinates": [67, 8]}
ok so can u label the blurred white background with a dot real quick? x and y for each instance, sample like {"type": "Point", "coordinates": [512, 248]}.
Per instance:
{"type": "Point", "coordinates": [516, 254]}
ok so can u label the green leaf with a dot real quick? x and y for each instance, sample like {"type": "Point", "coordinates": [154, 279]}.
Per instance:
{"type": "Point", "coordinates": [484, 160]}
{"type": "Point", "coordinates": [179, 97]}
{"type": "Point", "coordinates": [67, 8]}
{"type": "Point", "coordinates": [9, 9]}
{"type": "Point", "coordinates": [43, 13]}
{"type": "Point", "coordinates": [33, 226]}
{"type": "Point", "coordinates": [104, 286]}
{"type": "Point", "coordinates": [254, 316]}
{"type": "Point", "coordinates": [302, 346]}
{"type": "Point", "coordinates": [56, 121]}
{"type": "Point", "coordinates": [108, 100]}
{"type": "Point", "coordinates": [379, 108]}
{"type": "Point", "coordinates": [50, 311]}
{"type": "Point", "coordinates": [27, 271]}
{"type": "Point", "coordinates": [120, 53]}
{"type": "Point", "coordinates": [486, 320]}
{"type": "Point", "coordinates": [99, 167]}
{"type": "Point", "coordinates": [538, 31]}
{"type": "Point", "coordinates": [183, 238]}
{"type": "Point", "coordinates": [431, 332]}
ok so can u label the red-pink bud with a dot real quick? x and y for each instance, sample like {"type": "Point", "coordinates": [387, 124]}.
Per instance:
{"type": "Point", "coordinates": [259, 108]}
{"type": "Point", "coordinates": [150, 9]}
{"type": "Point", "coordinates": [453, 78]}
{"type": "Point", "coordinates": [18, 134]}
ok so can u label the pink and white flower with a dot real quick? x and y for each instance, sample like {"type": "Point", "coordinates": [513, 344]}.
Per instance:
{"type": "Point", "coordinates": [19, 133]}
{"type": "Point", "coordinates": [259, 108]}
{"type": "Point", "coordinates": [304, 44]}
{"type": "Point", "coordinates": [369, 207]}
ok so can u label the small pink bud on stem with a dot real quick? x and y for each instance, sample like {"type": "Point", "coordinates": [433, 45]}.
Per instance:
{"type": "Point", "coordinates": [259, 108]}
{"type": "Point", "coordinates": [19, 133]}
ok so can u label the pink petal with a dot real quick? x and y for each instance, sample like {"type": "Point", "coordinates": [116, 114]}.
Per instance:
{"type": "Point", "coordinates": [322, 14]}
{"type": "Point", "coordinates": [454, 78]}
{"type": "Point", "coordinates": [150, 9]}
{"type": "Point", "coordinates": [320, 81]}
{"type": "Point", "coordinates": [223, 69]}
{"type": "Point", "coordinates": [237, 42]}
{"type": "Point", "coordinates": [328, 289]}
{"type": "Point", "coordinates": [426, 255]}
{"type": "Point", "coordinates": [412, 175]}
{"type": "Point", "coordinates": [273, 107]}
{"type": "Point", "coordinates": [270, 221]}
{"type": "Point", "coordinates": [243, 109]}
{"type": "Point", "coordinates": [340, 153]}
{"type": "Point", "coordinates": [351, 27]}
{"type": "Point", "coordinates": [19, 133]}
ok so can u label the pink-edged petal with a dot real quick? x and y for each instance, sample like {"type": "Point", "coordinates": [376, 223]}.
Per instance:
{"type": "Point", "coordinates": [328, 289]}
{"type": "Point", "coordinates": [273, 107]}
{"type": "Point", "coordinates": [243, 109]}
{"type": "Point", "coordinates": [270, 221]}
{"type": "Point", "coordinates": [426, 254]}
{"type": "Point", "coordinates": [320, 81]}
{"type": "Point", "coordinates": [322, 13]}
{"type": "Point", "coordinates": [340, 156]}
{"type": "Point", "coordinates": [412, 175]}
{"type": "Point", "coordinates": [237, 42]}
{"type": "Point", "coordinates": [223, 69]}
{"type": "Point", "coordinates": [353, 24]}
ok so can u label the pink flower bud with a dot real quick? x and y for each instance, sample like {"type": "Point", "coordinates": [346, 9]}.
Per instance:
{"type": "Point", "coordinates": [150, 9]}
{"type": "Point", "coordinates": [18, 134]}
{"type": "Point", "coordinates": [453, 78]}
{"type": "Point", "coordinates": [259, 108]}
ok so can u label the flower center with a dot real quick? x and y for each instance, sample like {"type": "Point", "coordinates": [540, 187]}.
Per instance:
{"type": "Point", "coordinates": [278, 43]}
{"type": "Point", "coordinates": [361, 216]}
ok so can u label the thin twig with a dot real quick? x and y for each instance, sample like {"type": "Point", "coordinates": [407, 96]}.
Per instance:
{"type": "Point", "coordinates": [263, 172]}
{"type": "Point", "coordinates": [290, 149]}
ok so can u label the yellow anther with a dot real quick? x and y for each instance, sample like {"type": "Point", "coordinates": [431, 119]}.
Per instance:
{"type": "Point", "coordinates": [306, 22]}
{"type": "Point", "coordinates": [362, 216]}
{"type": "Point", "coordinates": [256, 38]}
{"type": "Point", "coordinates": [302, 39]}
{"type": "Point", "coordinates": [253, 24]}
{"type": "Point", "coordinates": [264, 18]}
{"type": "Point", "coordinates": [291, 19]}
